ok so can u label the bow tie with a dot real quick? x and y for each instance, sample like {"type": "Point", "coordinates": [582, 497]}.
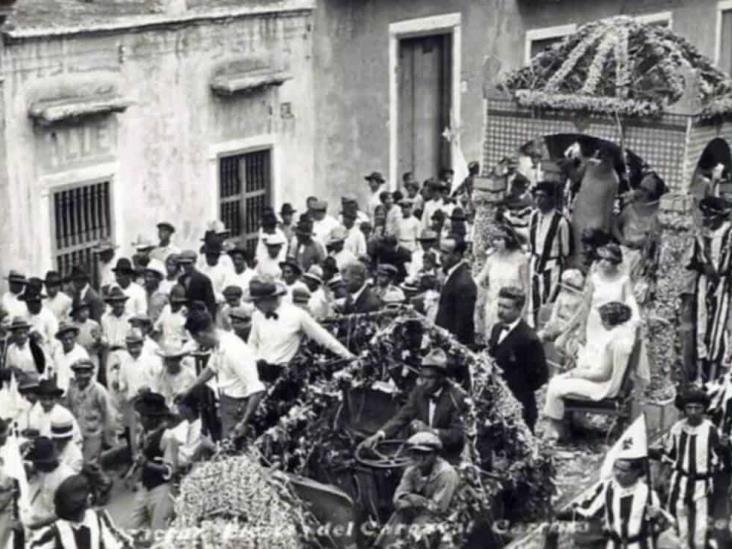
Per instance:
{"type": "Point", "coordinates": [272, 315]}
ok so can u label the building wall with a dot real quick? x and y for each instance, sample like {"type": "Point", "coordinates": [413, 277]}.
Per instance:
{"type": "Point", "coordinates": [352, 66]}
{"type": "Point", "coordinates": [162, 151]}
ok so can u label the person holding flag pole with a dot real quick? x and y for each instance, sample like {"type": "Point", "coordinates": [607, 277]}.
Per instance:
{"type": "Point", "coordinates": [624, 496]}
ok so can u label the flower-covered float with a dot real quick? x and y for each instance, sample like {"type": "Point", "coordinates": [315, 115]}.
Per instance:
{"type": "Point", "coordinates": [302, 475]}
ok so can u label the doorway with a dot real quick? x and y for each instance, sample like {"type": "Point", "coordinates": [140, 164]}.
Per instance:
{"type": "Point", "coordinates": [424, 95]}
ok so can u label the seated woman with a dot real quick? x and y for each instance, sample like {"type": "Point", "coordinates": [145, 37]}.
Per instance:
{"type": "Point", "coordinates": [600, 366]}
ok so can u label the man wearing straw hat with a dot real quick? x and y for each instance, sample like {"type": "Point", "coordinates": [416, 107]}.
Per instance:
{"type": "Point", "coordinates": [154, 274]}
{"type": "Point", "coordinates": [23, 354]}
{"type": "Point", "coordinates": [57, 302]}
{"type": "Point", "coordinates": [124, 275]}
{"type": "Point", "coordinates": [67, 353]}
{"type": "Point", "coordinates": [42, 320]}
{"type": "Point", "coordinates": [62, 434]}
{"type": "Point", "coordinates": [50, 473]}
{"type": "Point", "coordinates": [11, 303]}
{"type": "Point", "coordinates": [105, 250]}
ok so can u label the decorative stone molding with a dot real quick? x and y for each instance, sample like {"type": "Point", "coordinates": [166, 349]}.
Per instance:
{"type": "Point", "coordinates": [54, 111]}
{"type": "Point", "coordinates": [234, 82]}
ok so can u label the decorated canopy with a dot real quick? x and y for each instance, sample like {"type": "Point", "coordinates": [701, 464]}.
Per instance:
{"type": "Point", "coordinates": [620, 66]}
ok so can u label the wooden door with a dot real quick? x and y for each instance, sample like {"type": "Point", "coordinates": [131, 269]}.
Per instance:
{"type": "Point", "coordinates": [424, 81]}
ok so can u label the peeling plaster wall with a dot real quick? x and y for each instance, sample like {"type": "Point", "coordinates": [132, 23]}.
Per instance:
{"type": "Point", "coordinates": [162, 150]}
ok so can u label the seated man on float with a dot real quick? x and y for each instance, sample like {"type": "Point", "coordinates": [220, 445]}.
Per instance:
{"type": "Point", "coordinates": [425, 492]}
{"type": "Point", "coordinates": [601, 365]}
{"type": "Point", "coordinates": [436, 406]}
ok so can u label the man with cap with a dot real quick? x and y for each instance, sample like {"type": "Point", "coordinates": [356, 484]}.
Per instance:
{"type": "Point", "coordinates": [278, 327]}
{"type": "Point", "coordinates": [290, 275]}
{"type": "Point", "coordinates": [301, 298]}
{"type": "Point", "coordinates": [459, 292]}
{"type": "Point", "coordinates": [145, 325]}
{"type": "Point", "coordinates": [49, 407]}
{"type": "Point", "coordinates": [106, 254]}
{"type": "Point", "coordinates": [335, 246]}
{"type": "Point", "coordinates": [84, 293]}
{"type": "Point", "coordinates": [43, 322]}
{"type": "Point", "coordinates": [355, 240]}
{"type": "Point", "coordinates": [275, 246]}
{"type": "Point", "coordinates": [155, 463]}
{"type": "Point", "coordinates": [550, 246]}
{"type": "Point", "coordinates": [49, 474]}
{"type": "Point", "coordinates": [425, 492]}
{"type": "Point", "coordinates": [154, 273]}
{"type": "Point", "coordinates": [323, 223]}
{"type": "Point", "coordinates": [436, 405]}
{"type": "Point", "coordinates": [171, 322]}
{"type": "Point", "coordinates": [361, 296]}
{"type": "Point", "coordinates": [197, 285]}
{"type": "Point", "coordinates": [90, 335]}
{"type": "Point", "coordinates": [213, 267]}
{"type": "Point", "coordinates": [692, 452]}
{"type": "Point", "coordinates": [78, 526]}
{"type": "Point", "coordinates": [349, 206]}
{"type": "Point", "coordinates": [89, 402]}
{"type": "Point", "coordinates": [710, 263]}
{"type": "Point", "coordinates": [165, 247]}
{"type": "Point", "coordinates": [232, 298]}
{"type": "Point", "coordinates": [244, 269]}
{"type": "Point", "coordinates": [11, 303]}
{"type": "Point", "coordinates": [234, 364]}
{"type": "Point", "coordinates": [177, 375]}
{"type": "Point", "coordinates": [115, 322]}
{"type": "Point", "coordinates": [62, 433]}
{"type": "Point", "coordinates": [318, 304]}
{"type": "Point", "coordinates": [24, 354]}
{"type": "Point", "coordinates": [240, 319]}
{"type": "Point", "coordinates": [407, 227]}
{"type": "Point", "coordinates": [266, 231]}
{"type": "Point", "coordinates": [375, 180]}
{"type": "Point", "coordinates": [427, 242]}
{"type": "Point", "coordinates": [67, 353]}
{"type": "Point", "coordinates": [58, 302]}
{"type": "Point", "coordinates": [518, 352]}
{"type": "Point", "coordinates": [124, 276]}
{"type": "Point", "coordinates": [305, 249]}
{"type": "Point", "coordinates": [286, 225]}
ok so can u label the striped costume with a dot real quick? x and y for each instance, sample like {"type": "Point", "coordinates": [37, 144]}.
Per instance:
{"type": "Point", "coordinates": [692, 453]}
{"type": "Point", "coordinates": [627, 525]}
{"type": "Point", "coordinates": [96, 531]}
{"type": "Point", "coordinates": [713, 315]}
{"type": "Point", "coordinates": [550, 245]}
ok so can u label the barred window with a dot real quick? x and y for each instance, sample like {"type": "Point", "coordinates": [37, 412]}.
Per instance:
{"type": "Point", "coordinates": [82, 216]}
{"type": "Point", "coordinates": [245, 189]}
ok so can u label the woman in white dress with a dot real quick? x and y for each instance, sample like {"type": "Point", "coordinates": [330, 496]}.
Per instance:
{"type": "Point", "coordinates": [601, 364]}
{"type": "Point", "coordinates": [506, 265]}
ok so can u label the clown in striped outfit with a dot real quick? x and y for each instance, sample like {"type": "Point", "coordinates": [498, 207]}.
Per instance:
{"type": "Point", "coordinates": [692, 451]}
{"type": "Point", "coordinates": [550, 245]}
{"type": "Point", "coordinates": [631, 510]}
{"type": "Point", "coordinates": [711, 260]}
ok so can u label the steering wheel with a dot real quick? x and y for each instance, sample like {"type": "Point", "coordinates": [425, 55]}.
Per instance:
{"type": "Point", "coordinates": [389, 455]}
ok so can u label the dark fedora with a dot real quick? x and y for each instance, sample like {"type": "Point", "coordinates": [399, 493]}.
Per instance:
{"type": "Point", "coordinates": [287, 209]}
{"type": "Point", "coordinates": [124, 266]}
{"type": "Point", "coordinates": [115, 294]}
{"type": "Point", "coordinates": [151, 404]}
{"type": "Point", "coordinates": [78, 273]}
{"type": "Point", "coordinates": [290, 261]}
{"type": "Point", "coordinates": [212, 247]}
{"type": "Point", "coordinates": [261, 289]}
{"type": "Point", "coordinates": [304, 227]}
{"type": "Point", "coordinates": [375, 176]}
{"type": "Point", "coordinates": [66, 327]}
{"type": "Point", "coordinates": [15, 276]}
{"type": "Point", "coordinates": [33, 290]}
{"type": "Point", "coordinates": [78, 305]}
{"type": "Point", "coordinates": [53, 278]}
{"type": "Point", "coordinates": [19, 323]}
{"type": "Point", "coordinates": [167, 226]}
{"type": "Point", "coordinates": [48, 387]}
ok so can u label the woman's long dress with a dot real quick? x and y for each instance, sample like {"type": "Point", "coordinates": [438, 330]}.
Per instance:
{"type": "Point", "coordinates": [501, 270]}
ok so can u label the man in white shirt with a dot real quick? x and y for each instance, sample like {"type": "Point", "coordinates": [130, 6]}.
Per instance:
{"type": "Point", "coordinates": [270, 265]}
{"type": "Point", "coordinates": [165, 247]}
{"type": "Point", "coordinates": [337, 250]}
{"type": "Point", "coordinates": [123, 275]}
{"type": "Point", "coordinates": [66, 354]}
{"type": "Point", "coordinates": [243, 270]}
{"type": "Point", "coordinates": [355, 239]}
{"type": "Point", "coordinates": [407, 227]}
{"type": "Point", "coordinates": [43, 322]}
{"type": "Point", "coordinates": [48, 408]}
{"type": "Point", "coordinates": [323, 224]}
{"type": "Point", "coordinates": [115, 322]}
{"type": "Point", "coordinates": [278, 327]}
{"type": "Point", "coordinates": [269, 228]}
{"type": "Point", "coordinates": [214, 269]}
{"type": "Point", "coordinates": [235, 365]}
{"type": "Point", "coordinates": [62, 434]}
{"type": "Point", "coordinates": [50, 473]}
{"type": "Point", "coordinates": [23, 354]}
{"type": "Point", "coordinates": [349, 205]}
{"type": "Point", "coordinates": [427, 242]}
{"type": "Point", "coordinates": [11, 303]}
{"type": "Point", "coordinates": [105, 251]}
{"type": "Point", "coordinates": [57, 302]}
{"type": "Point", "coordinates": [318, 304]}
{"type": "Point", "coordinates": [375, 181]}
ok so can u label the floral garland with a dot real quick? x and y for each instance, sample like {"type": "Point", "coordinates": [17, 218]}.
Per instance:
{"type": "Point", "coordinates": [586, 103]}
{"type": "Point", "coordinates": [595, 73]}
{"type": "Point", "coordinates": [622, 64]}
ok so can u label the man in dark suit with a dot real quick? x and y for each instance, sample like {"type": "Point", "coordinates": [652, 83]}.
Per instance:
{"type": "Point", "coordinates": [198, 286]}
{"type": "Point", "coordinates": [361, 297]}
{"type": "Point", "coordinates": [518, 352]}
{"type": "Point", "coordinates": [459, 292]}
{"type": "Point", "coordinates": [84, 293]}
{"type": "Point", "coordinates": [437, 405]}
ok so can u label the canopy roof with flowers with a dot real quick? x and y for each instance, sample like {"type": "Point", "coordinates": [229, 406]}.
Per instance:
{"type": "Point", "coordinates": [621, 66]}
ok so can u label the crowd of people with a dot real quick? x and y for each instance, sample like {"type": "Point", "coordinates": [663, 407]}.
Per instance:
{"type": "Point", "coordinates": [139, 357]}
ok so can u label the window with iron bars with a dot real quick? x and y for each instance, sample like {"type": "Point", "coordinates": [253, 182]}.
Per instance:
{"type": "Point", "coordinates": [245, 190]}
{"type": "Point", "coordinates": [82, 217]}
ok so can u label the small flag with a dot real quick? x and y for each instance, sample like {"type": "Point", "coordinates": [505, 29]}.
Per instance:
{"type": "Point", "coordinates": [633, 444]}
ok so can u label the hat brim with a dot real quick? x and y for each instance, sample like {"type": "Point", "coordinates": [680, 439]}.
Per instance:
{"type": "Point", "coordinates": [313, 277]}
{"type": "Point", "coordinates": [142, 408]}
{"type": "Point", "coordinates": [19, 327]}
{"type": "Point", "coordinates": [115, 299]}
{"type": "Point", "coordinates": [167, 226]}
{"type": "Point", "coordinates": [49, 392]}
{"type": "Point", "coordinates": [280, 291]}
{"type": "Point", "coordinates": [422, 449]}
{"type": "Point", "coordinates": [66, 331]}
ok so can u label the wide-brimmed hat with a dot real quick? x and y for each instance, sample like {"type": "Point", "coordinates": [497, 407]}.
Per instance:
{"type": "Point", "coordinates": [410, 286]}
{"type": "Point", "coordinates": [48, 387]}
{"type": "Point", "coordinates": [300, 295]}
{"type": "Point", "coordinates": [143, 243]}
{"type": "Point", "coordinates": [427, 235]}
{"type": "Point", "coordinates": [33, 290]}
{"type": "Point", "coordinates": [387, 269]}
{"type": "Point", "coordinates": [66, 327]}
{"type": "Point", "coordinates": [375, 176]}
{"type": "Point", "coordinates": [104, 246]}
{"type": "Point", "coordinates": [276, 239]}
{"type": "Point", "coordinates": [218, 227]}
{"type": "Point", "coordinates": [151, 404]}
{"type": "Point", "coordinates": [319, 206]}
{"type": "Point", "coordinates": [62, 428]}
{"type": "Point", "coordinates": [140, 318]}
{"type": "Point", "coordinates": [263, 289]}
{"type": "Point", "coordinates": [156, 267]}
{"type": "Point", "coordinates": [338, 234]}
{"type": "Point", "coordinates": [19, 323]}
{"type": "Point", "coordinates": [241, 314]}
{"type": "Point", "coordinates": [291, 262]}
{"type": "Point", "coordinates": [123, 266]}
{"type": "Point", "coordinates": [28, 381]}
{"type": "Point", "coordinates": [287, 209]}
{"type": "Point", "coordinates": [187, 256]}
{"type": "Point", "coordinates": [212, 247]}
{"type": "Point", "coordinates": [43, 450]}
{"type": "Point", "coordinates": [435, 359]}
{"type": "Point", "coordinates": [167, 226]}
{"type": "Point", "coordinates": [115, 294]}
{"type": "Point", "coordinates": [424, 442]}
{"type": "Point", "coordinates": [84, 364]}
{"type": "Point", "coordinates": [315, 273]}
{"type": "Point", "coordinates": [15, 276]}
{"type": "Point", "coordinates": [171, 351]}
{"type": "Point", "coordinates": [53, 278]}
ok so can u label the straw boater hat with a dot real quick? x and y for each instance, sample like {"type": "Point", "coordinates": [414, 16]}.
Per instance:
{"type": "Point", "coordinates": [66, 327]}
{"type": "Point", "coordinates": [143, 243]}
{"type": "Point", "coordinates": [172, 351]}
{"type": "Point", "coordinates": [19, 323]}
{"type": "Point", "coordinates": [387, 269]}
{"type": "Point", "coordinates": [264, 289]}
{"type": "Point", "coordinates": [62, 428]}
{"type": "Point", "coordinates": [15, 276]}
{"type": "Point", "coordinates": [315, 273]}
{"type": "Point", "coordinates": [83, 364]}
{"type": "Point", "coordinates": [300, 295]}
{"type": "Point", "coordinates": [134, 335]}
{"type": "Point", "coordinates": [276, 239]}
{"type": "Point", "coordinates": [156, 267]}
{"type": "Point", "coordinates": [424, 442]}
{"type": "Point", "coordinates": [375, 176]}
{"type": "Point", "coordinates": [241, 314]}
